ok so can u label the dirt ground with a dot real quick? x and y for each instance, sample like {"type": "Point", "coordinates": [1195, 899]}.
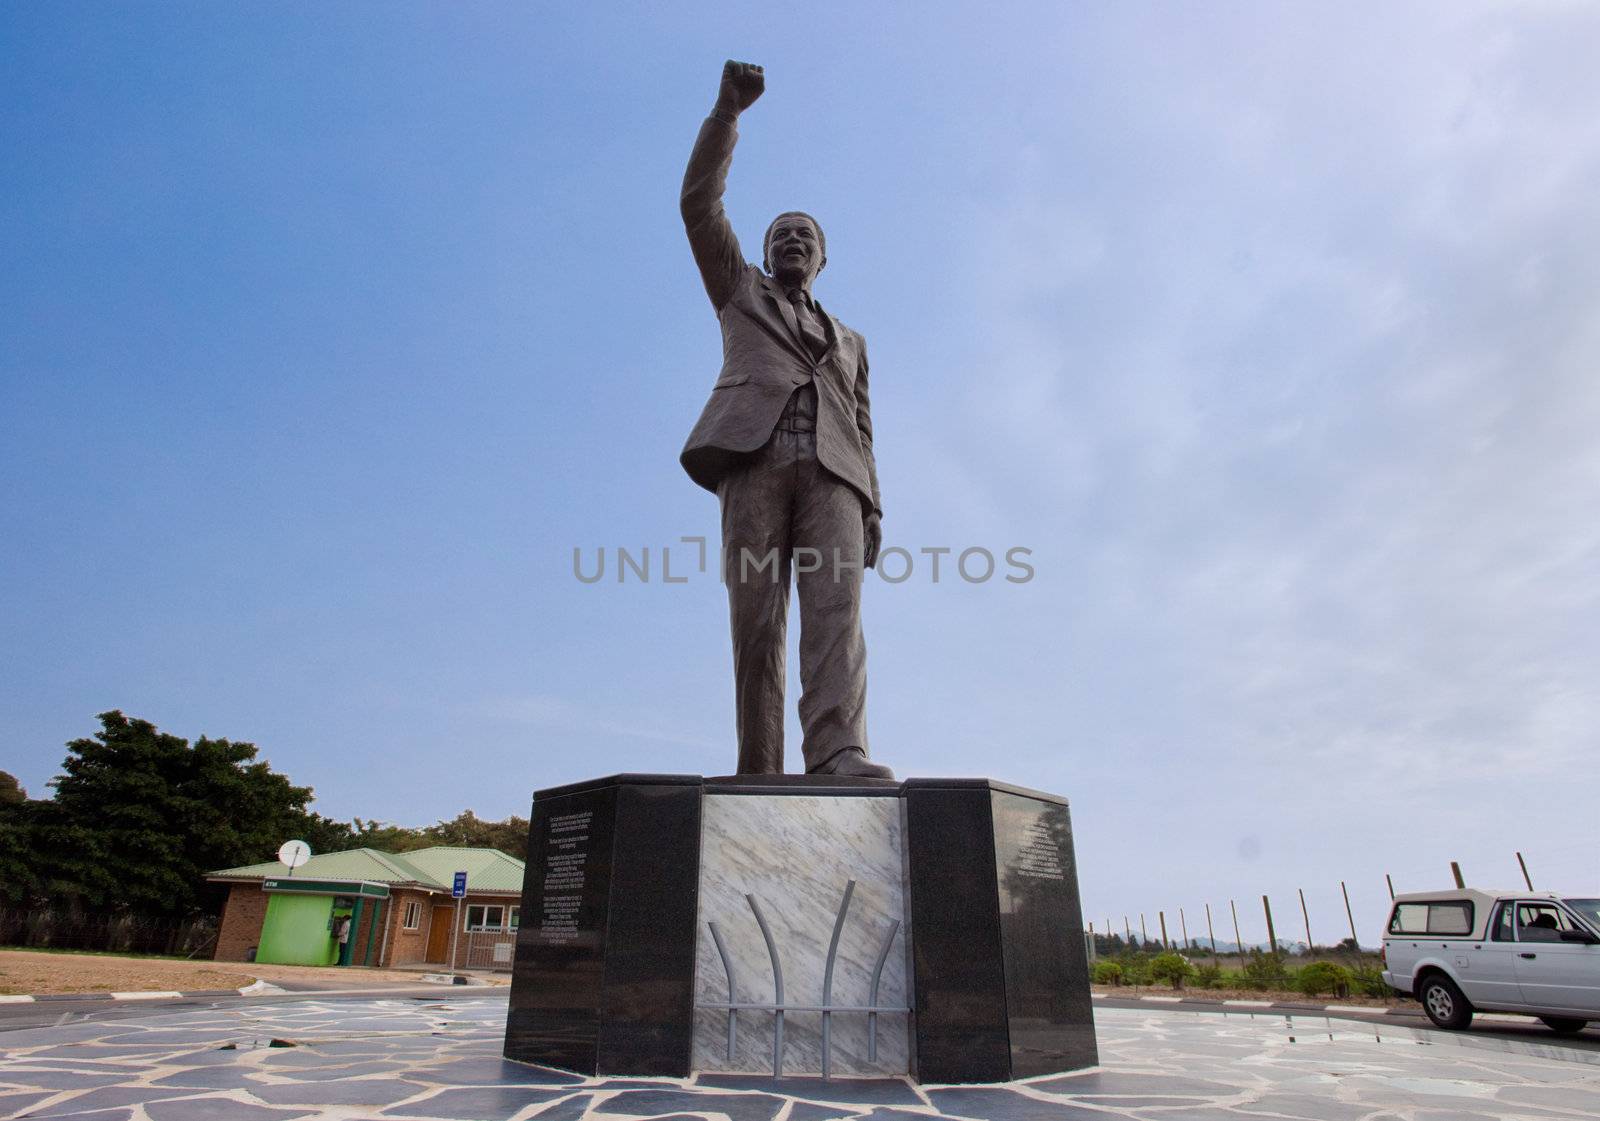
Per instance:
{"type": "Point", "coordinates": [28, 972]}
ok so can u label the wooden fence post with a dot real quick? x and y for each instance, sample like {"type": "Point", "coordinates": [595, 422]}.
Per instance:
{"type": "Point", "coordinates": [1354, 937]}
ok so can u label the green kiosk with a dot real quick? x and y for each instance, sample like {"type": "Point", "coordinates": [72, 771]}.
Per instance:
{"type": "Point", "coordinates": [317, 922]}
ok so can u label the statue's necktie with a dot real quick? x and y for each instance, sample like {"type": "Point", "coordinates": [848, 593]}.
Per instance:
{"type": "Point", "coordinates": [811, 333]}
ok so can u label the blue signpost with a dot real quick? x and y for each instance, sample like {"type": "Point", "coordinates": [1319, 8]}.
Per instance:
{"type": "Point", "coordinates": [458, 891]}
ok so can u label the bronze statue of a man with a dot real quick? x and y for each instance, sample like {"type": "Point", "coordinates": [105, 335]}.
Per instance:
{"type": "Point", "coordinates": [786, 443]}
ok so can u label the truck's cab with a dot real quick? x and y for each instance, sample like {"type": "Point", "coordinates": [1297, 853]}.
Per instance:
{"type": "Point", "coordinates": [1467, 950]}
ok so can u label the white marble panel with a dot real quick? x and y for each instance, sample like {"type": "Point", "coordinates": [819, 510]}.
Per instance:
{"type": "Point", "coordinates": [796, 853]}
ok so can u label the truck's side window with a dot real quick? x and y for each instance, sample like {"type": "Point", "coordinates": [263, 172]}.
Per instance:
{"type": "Point", "coordinates": [1540, 922]}
{"type": "Point", "coordinates": [1502, 923]}
{"type": "Point", "coordinates": [1409, 918]}
{"type": "Point", "coordinates": [1448, 917]}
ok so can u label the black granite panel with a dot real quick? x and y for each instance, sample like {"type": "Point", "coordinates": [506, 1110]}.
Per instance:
{"type": "Point", "coordinates": [981, 784]}
{"type": "Point", "coordinates": [647, 1004]}
{"type": "Point", "coordinates": [556, 981]}
{"type": "Point", "coordinates": [1048, 1006]}
{"type": "Point", "coordinates": [958, 982]}
{"type": "Point", "coordinates": [604, 974]}
{"type": "Point", "coordinates": [612, 781]}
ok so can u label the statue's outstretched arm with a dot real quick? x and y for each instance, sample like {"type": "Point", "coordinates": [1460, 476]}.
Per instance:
{"type": "Point", "coordinates": [711, 237]}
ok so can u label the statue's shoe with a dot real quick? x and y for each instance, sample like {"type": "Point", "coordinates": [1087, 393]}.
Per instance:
{"type": "Point", "coordinates": [852, 762]}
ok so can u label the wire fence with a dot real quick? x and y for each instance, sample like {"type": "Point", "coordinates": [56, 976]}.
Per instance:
{"type": "Point", "coordinates": [1244, 925]}
{"type": "Point", "coordinates": [117, 933]}
{"type": "Point", "coordinates": [488, 949]}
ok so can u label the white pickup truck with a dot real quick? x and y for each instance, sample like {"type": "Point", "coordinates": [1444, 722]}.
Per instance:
{"type": "Point", "coordinates": [1464, 950]}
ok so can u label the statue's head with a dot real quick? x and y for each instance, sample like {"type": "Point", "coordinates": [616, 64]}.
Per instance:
{"type": "Point", "coordinates": [794, 249]}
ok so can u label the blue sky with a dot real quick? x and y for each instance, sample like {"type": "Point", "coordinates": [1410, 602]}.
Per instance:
{"type": "Point", "coordinates": [330, 332]}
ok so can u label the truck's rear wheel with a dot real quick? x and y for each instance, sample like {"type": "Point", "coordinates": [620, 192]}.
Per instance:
{"type": "Point", "coordinates": [1444, 1003]}
{"type": "Point", "coordinates": [1564, 1025]}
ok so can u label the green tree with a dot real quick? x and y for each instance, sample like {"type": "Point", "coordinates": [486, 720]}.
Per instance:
{"type": "Point", "coordinates": [139, 816]}
{"type": "Point", "coordinates": [1171, 967]}
{"type": "Point", "coordinates": [466, 830]}
{"type": "Point", "coordinates": [11, 792]}
{"type": "Point", "coordinates": [19, 866]}
{"type": "Point", "coordinates": [386, 836]}
{"type": "Point", "coordinates": [469, 830]}
{"type": "Point", "coordinates": [323, 834]}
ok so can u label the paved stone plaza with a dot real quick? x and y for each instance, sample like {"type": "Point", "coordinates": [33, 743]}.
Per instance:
{"type": "Point", "coordinates": [440, 1058]}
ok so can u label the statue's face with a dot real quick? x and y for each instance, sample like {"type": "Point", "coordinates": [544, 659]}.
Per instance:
{"type": "Point", "coordinates": [794, 252]}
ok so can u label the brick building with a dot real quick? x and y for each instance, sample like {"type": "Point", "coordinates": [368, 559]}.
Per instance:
{"type": "Point", "coordinates": [365, 907]}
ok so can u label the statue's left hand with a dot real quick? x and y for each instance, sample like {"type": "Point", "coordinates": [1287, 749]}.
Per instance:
{"type": "Point", "coordinates": [742, 84]}
{"type": "Point", "coordinates": [873, 537]}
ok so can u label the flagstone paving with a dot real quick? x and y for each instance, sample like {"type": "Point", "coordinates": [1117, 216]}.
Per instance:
{"type": "Point", "coordinates": [414, 1060]}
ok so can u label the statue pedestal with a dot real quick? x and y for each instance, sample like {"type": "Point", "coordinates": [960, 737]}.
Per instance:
{"type": "Point", "coordinates": [928, 928]}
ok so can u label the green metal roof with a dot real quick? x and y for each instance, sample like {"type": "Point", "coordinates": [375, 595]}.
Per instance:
{"type": "Point", "coordinates": [486, 869]}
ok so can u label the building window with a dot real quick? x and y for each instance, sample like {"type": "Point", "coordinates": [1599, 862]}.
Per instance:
{"type": "Point", "coordinates": [413, 917]}
{"type": "Point", "coordinates": [481, 916]}
{"type": "Point", "coordinates": [516, 917]}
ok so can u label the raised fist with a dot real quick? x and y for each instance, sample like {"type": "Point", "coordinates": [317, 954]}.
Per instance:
{"type": "Point", "coordinates": [742, 83]}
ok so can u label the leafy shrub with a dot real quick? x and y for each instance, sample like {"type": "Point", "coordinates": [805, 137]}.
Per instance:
{"type": "Point", "coordinates": [1322, 977]}
{"type": "Point", "coordinates": [1367, 980]}
{"type": "Point", "coordinates": [1171, 967]}
{"type": "Point", "coordinates": [1136, 969]}
{"type": "Point", "coordinates": [1208, 977]}
{"type": "Point", "coordinates": [1264, 971]}
{"type": "Point", "coordinates": [1107, 973]}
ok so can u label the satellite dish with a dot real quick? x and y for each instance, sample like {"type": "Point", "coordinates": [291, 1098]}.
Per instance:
{"type": "Point", "coordinates": [294, 854]}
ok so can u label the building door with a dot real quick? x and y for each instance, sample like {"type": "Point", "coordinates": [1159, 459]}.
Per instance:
{"type": "Point", "coordinates": [439, 935]}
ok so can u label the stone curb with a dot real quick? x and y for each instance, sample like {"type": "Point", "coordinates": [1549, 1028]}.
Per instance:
{"type": "Point", "coordinates": [258, 988]}
{"type": "Point", "coordinates": [1267, 1005]}
{"type": "Point", "coordinates": [162, 994]}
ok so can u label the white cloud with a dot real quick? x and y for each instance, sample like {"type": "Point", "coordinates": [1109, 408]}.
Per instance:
{"type": "Point", "coordinates": [1311, 399]}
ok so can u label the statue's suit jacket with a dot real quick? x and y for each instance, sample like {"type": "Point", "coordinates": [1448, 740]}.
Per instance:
{"type": "Point", "coordinates": [763, 359]}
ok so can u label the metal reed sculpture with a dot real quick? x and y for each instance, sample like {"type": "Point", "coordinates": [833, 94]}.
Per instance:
{"type": "Point", "coordinates": [778, 1006]}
